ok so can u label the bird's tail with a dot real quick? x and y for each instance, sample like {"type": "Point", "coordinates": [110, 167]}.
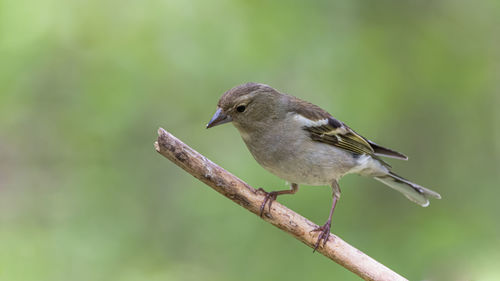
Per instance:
{"type": "Point", "coordinates": [412, 191]}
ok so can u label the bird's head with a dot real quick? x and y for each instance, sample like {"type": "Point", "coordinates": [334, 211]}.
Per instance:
{"type": "Point", "coordinates": [248, 105]}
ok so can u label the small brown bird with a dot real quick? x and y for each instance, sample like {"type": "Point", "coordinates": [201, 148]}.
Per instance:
{"type": "Point", "coordinates": [303, 144]}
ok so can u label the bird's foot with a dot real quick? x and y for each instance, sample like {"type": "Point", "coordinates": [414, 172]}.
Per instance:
{"type": "Point", "coordinates": [270, 197]}
{"type": "Point", "coordinates": [324, 234]}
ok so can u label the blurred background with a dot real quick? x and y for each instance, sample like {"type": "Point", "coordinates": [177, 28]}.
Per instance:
{"type": "Point", "coordinates": [84, 85]}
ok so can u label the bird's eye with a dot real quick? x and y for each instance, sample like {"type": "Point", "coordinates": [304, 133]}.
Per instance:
{"type": "Point", "coordinates": [241, 108]}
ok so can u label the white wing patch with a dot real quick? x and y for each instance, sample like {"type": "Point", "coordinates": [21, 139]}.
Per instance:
{"type": "Point", "coordinates": [308, 122]}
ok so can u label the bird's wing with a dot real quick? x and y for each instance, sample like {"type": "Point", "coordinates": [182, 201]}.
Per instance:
{"type": "Point", "coordinates": [386, 152]}
{"type": "Point", "coordinates": [325, 128]}
{"type": "Point", "coordinates": [333, 132]}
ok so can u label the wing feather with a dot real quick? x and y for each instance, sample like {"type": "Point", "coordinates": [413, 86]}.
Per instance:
{"type": "Point", "coordinates": [340, 135]}
{"type": "Point", "coordinates": [325, 128]}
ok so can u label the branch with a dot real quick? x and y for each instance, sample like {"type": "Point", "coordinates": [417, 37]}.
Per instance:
{"type": "Point", "coordinates": [280, 216]}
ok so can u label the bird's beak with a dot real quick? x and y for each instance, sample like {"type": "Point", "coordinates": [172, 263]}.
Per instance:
{"type": "Point", "coordinates": [219, 118]}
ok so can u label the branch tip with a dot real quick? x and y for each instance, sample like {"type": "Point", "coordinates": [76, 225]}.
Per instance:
{"type": "Point", "coordinates": [161, 131]}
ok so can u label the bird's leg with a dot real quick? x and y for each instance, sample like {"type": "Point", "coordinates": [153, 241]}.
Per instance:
{"type": "Point", "coordinates": [325, 229]}
{"type": "Point", "coordinates": [271, 196]}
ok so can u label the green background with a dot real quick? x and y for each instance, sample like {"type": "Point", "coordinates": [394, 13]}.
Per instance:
{"type": "Point", "coordinates": [84, 85]}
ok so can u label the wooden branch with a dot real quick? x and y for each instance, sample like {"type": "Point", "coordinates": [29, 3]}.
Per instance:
{"type": "Point", "coordinates": [280, 216]}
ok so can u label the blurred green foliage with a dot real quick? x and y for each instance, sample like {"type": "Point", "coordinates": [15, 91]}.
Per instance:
{"type": "Point", "coordinates": [85, 84]}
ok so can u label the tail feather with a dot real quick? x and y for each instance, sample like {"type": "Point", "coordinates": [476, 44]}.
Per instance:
{"type": "Point", "coordinates": [412, 191]}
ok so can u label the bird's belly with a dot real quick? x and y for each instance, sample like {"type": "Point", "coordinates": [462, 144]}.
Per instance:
{"type": "Point", "coordinates": [307, 162]}
{"type": "Point", "coordinates": [303, 174]}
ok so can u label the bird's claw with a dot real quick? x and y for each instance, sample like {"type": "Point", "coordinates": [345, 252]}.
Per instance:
{"type": "Point", "coordinates": [323, 235]}
{"type": "Point", "coordinates": [270, 196]}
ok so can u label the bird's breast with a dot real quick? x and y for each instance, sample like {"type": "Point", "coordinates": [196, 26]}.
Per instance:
{"type": "Point", "coordinates": [294, 157]}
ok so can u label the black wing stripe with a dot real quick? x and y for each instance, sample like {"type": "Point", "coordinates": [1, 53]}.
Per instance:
{"type": "Point", "coordinates": [337, 134]}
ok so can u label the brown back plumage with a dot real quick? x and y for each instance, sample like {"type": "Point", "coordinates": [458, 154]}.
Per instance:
{"type": "Point", "coordinates": [307, 109]}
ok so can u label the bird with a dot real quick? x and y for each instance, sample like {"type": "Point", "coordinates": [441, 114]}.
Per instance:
{"type": "Point", "coordinates": [305, 145]}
